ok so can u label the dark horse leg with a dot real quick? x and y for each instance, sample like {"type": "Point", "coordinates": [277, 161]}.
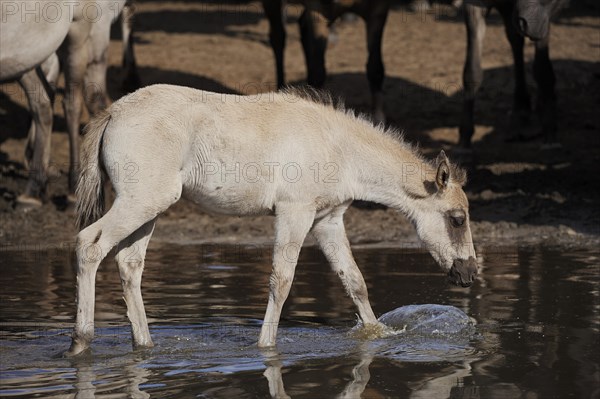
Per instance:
{"type": "Point", "coordinates": [314, 32]}
{"type": "Point", "coordinates": [521, 103]}
{"type": "Point", "coordinates": [546, 99]}
{"type": "Point", "coordinates": [131, 79]}
{"type": "Point", "coordinates": [273, 11]}
{"type": "Point", "coordinates": [375, 18]}
{"type": "Point", "coordinates": [472, 73]}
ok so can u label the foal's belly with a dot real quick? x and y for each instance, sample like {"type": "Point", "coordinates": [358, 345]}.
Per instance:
{"type": "Point", "coordinates": [241, 200]}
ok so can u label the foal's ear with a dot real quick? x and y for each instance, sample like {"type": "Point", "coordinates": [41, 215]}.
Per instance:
{"type": "Point", "coordinates": [442, 175]}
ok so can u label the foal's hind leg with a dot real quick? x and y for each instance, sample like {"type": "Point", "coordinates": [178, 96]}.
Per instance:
{"type": "Point", "coordinates": [130, 259]}
{"type": "Point", "coordinates": [331, 236]}
{"type": "Point", "coordinates": [93, 244]}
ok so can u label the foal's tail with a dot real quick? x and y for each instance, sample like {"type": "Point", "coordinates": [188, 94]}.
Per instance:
{"type": "Point", "coordinates": [90, 187]}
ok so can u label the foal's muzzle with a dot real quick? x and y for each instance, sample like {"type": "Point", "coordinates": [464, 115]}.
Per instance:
{"type": "Point", "coordinates": [463, 272]}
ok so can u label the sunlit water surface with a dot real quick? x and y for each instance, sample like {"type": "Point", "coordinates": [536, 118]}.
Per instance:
{"type": "Point", "coordinates": [537, 334]}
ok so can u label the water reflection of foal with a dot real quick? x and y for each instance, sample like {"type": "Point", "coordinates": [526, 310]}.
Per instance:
{"type": "Point", "coordinates": [302, 160]}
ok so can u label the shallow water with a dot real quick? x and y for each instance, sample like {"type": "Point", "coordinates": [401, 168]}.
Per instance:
{"type": "Point", "coordinates": [537, 333]}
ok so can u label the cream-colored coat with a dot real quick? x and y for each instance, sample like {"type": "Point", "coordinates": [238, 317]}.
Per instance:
{"type": "Point", "coordinates": [301, 160]}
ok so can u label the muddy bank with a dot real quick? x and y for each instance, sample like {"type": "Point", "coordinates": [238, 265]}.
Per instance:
{"type": "Point", "coordinates": [184, 224]}
{"type": "Point", "coordinates": [519, 194]}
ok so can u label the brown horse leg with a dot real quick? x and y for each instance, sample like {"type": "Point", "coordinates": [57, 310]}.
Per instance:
{"type": "Point", "coordinates": [314, 33]}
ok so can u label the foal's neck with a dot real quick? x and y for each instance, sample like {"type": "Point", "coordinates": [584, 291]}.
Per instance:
{"type": "Point", "coordinates": [391, 173]}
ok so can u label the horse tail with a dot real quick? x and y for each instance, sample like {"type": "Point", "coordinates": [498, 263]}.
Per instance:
{"type": "Point", "coordinates": [90, 187]}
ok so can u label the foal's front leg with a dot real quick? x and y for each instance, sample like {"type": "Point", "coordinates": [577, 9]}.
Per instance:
{"type": "Point", "coordinates": [331, 236]}
{"type": "Point", "coordinates": [291, 226]}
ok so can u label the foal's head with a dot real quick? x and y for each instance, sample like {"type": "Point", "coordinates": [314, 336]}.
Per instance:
{"type": "Point", "coordinates": [443, 223]}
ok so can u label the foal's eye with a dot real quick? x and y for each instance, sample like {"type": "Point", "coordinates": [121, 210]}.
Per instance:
{"type": "Point", "coordinates": [457, 219]}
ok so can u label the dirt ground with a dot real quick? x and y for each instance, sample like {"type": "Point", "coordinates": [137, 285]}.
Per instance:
{"type": "Point", "coordinates": [519, 194]}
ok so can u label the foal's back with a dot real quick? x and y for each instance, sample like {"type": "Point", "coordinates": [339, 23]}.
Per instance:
{"type": "Point", "coordinates": [230, 154]}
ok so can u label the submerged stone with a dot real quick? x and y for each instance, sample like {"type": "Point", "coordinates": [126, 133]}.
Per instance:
{"type": "Point", "coordinates": [429, 320]}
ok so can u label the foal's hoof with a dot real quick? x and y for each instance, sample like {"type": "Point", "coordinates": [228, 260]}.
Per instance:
{"type": "Point", "coordinates": [25, 202]}
{"type": "Point", "coordinates": [76, 349]}
{"type": "Point", "coordinates": [372, 331]}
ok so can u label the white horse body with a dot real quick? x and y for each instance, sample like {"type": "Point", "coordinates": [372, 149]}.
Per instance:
{"type": "Point", "coordinates": [280, 154]}
{"type": "Point", "coordinates": [27, 44]}
{"type": "Point", "coordinates": [31, 35]}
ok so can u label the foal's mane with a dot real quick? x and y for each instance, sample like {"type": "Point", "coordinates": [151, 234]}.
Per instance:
{"type": "Point", "coordinates": [317, 96]}
{"type": "Point", "coordinates": [326, 99]}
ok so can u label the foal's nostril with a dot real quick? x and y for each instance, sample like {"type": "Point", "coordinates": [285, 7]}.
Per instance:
{"type": "Point", "coordinates": [522, 25]}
